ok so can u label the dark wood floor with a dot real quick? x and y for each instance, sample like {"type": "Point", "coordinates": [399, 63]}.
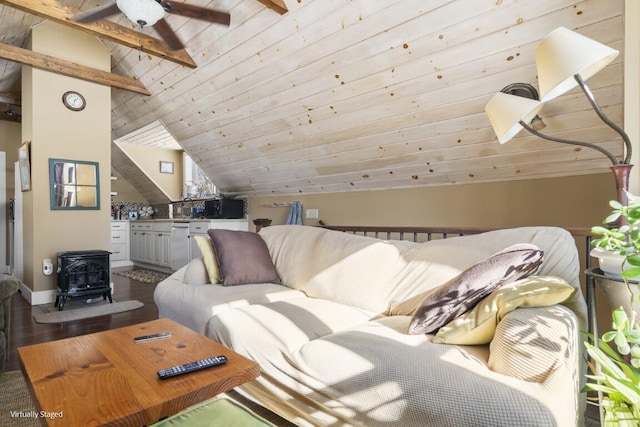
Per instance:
{"type": "Point", "coordinates": [25, 331]}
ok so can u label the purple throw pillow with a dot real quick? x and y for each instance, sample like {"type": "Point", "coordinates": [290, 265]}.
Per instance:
{"type": "Point", "coordinates": [463, 292]}
{"type": "Point", "coordinates": [243, 258]}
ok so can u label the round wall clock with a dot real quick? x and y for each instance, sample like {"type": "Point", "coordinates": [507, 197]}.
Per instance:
{"type": "Point", "coordinates": [73, 100]}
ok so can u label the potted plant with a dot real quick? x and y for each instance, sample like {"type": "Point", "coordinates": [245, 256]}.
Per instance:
{"type": "Point", "coordinates": [616, 372]}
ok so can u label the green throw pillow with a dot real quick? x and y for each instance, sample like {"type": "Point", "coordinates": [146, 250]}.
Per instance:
{"type": "Point", "coordinates": [209, 258]}
{"type": "Point", "coordinates": [479, 325]}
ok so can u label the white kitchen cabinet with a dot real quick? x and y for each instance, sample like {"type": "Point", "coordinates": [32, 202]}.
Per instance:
{"type": "Point", "coordinates": [200, 228]}
{"type": "Point", "coordinates": [179, 245]}
{"type": "Point", "coordinates": [140, 241]}
{"type": "Point", "coordinates": [172, 245]}
{"type": "Point", "coordinates": [160, 243]}
{"type": "Point", "coordinates": [120, 248]}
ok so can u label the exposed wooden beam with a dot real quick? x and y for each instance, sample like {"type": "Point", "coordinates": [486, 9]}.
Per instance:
{"type": "Point", "coordinates": [54, 10]}
{"type": "Point", "coordinates": [11, 98]}
{"type": "Point", "coordinates": [69, 68]}
{"type": "Point", "coordinates": [275, 5]}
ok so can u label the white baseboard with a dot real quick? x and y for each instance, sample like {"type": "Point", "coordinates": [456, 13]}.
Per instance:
{"type": "Point", "coordinates": [42, 297]}
{"type": "Point", "coordinates": [39, 297]}
{"type": "Point", "coordinates": [123, 263]}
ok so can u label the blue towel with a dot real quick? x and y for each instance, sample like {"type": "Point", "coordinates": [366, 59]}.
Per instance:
{"type": "Point", "coordinates": [295, 214]}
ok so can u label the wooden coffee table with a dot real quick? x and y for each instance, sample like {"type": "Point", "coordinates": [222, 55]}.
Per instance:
{"type": "Point", "coordinates": [107, 379]}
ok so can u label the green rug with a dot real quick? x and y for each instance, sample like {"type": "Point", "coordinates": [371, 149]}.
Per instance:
{"type": "Point", "coordinates": [145, 276]}
{"type": "Point", "coordinates": [16, 407]}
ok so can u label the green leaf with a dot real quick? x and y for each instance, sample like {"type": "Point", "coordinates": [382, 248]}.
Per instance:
{"type": "Point", "coordinates": [615, 204]}
{"type": "Point", "coordinates": [631, 273]}
{"type": "Point", "coordinates": [598, 229]}
{"type": "Point", "coordinates": [600, 387]}
{"type": "Point", "coordinates": [610, 352]}
{"type": "Point", "coordinates": [606, 364]}
{"type": "Point", "coordinates": [633, 335]}
{"type": "Point", "coordinates": [612, 217]}
{"type": "Point", "coordinates": [620, 319]}
{"type": "Point", "coordinates": [608, 336]}
{"type": "Point", "coordinates": [627, 388]}
{"type": "Point", "coordinates": [634, 260]}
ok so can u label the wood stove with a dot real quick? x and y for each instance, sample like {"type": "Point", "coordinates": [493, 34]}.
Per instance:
{"type": "Point", "coordinates": [83, 274]}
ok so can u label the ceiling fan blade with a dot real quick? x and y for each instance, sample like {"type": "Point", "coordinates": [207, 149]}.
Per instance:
{"type": "Point", "coordinates": [167, 34]}
{"type": "Point", "coordinates": [196, 12]}
{"type": "Point", "coordinates": [97, 13]}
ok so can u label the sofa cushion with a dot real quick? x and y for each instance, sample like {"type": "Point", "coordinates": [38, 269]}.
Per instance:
{"type": "Point", "coordinates": [374, 374]}
{"type": "Point", "coordinates": [342, 267]}
{"type": "Point", "coordinates": [209, 258]}
{"type": "Point", "coordinates": [479, 325]}
{"type": "Point", "coordinates": [243, 258]}
{"type": "Point", "coordinates": [463, 292]}
{"type": "Point", "coordinates": [294, 322]}
{"type": "Point", "coordinates": [193, 305]}
{"type": "Point", "coordinates": [533, 343]}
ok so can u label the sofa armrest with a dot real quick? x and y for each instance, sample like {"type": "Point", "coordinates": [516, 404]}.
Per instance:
{"type": "Point", "coordinates": [542, 345]}
{"type": "Point", "coordinates": [8, 286]}
{"type": "Point", "coordinates": [195, 273]}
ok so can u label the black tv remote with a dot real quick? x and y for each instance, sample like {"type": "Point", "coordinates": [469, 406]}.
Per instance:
{"type": "Point", "coordinates": [190, 367]}
{"type": "Point", "coordinates": [152, 337]}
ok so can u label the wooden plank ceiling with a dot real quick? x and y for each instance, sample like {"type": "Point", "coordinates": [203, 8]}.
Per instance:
{"type": "Point", "coordinates": [340, 95]}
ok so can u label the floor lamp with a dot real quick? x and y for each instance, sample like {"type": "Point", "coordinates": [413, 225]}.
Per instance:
{"type": "Point", "coordinates": [564, 60]}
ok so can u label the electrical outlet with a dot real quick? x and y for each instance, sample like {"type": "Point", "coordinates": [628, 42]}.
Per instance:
{"type": "Point", "coordinates": [312, 213]}
{"type": "Point", "coordinates": [47, 267]}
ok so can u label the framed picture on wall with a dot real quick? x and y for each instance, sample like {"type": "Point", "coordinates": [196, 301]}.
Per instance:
{"type": "Point", "coordinates": [166, 167]}
{"type": "Point", "coordinates": [25, 168]}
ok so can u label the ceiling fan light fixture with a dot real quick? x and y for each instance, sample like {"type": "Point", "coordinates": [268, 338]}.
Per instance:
{"type": "Point", "coordinates": [141, 12]}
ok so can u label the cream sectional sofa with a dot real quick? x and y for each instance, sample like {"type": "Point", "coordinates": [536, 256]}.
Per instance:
{"type": "Point", "coordinates": [332, 339]}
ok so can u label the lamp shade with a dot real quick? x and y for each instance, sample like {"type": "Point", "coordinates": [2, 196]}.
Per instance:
{"type": "Point", "coordinates": [564, 53]}
{"type": "Point", "coordinates": [141, 12]}
{"type": "Point", "coordinates": [505, 112]}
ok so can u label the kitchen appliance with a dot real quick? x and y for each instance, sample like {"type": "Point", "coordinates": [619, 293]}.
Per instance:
{"type": "Point", "coordinates": [224, 208]}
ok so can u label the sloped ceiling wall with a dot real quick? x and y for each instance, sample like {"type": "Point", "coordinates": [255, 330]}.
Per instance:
{"type": "Point", "coordinates": [136, 175]}
{"type": "Point", "coordinates": [356, 95]}
{"type": "Point", "coordinates": [340, 95]}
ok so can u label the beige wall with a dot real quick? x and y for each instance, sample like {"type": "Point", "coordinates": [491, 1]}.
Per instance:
{"type": "Point", "coordinates": [578, 201]}
{"type": "Point", "coordinates": [57, 132]}
{"type": "Point", "coordinates": [148, 160]}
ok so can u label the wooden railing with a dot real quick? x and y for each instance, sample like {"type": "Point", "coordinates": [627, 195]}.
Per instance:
{"type": "Point", "coordinates": [582, 237]}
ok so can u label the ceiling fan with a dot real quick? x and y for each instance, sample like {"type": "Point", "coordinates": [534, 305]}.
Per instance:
{"type": "Point", "coordinates": [151, 12]}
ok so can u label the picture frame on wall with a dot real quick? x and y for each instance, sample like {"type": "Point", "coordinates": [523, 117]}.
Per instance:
{"type": "Point", "coordinates": [24, 166]}
{"type": "Point", "coordinates": [166, 167]}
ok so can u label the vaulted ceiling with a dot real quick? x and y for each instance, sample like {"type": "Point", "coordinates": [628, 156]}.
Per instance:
{"type": "Point", "coordinates": [340, 95]}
